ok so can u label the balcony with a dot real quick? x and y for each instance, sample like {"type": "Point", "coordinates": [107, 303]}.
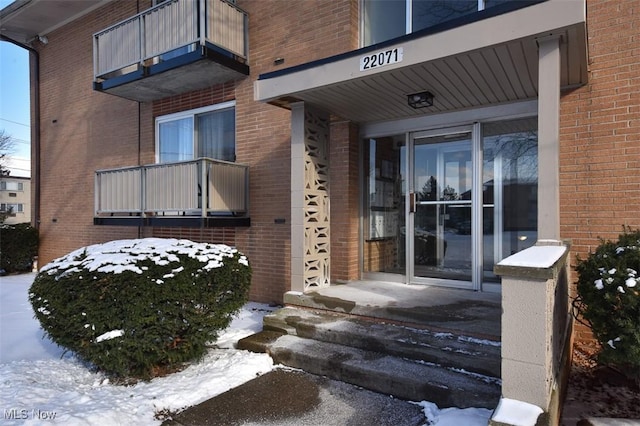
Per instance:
{"type": "Point", "coordinates": [171, 194]}
{"type": "Point", "coordinates": [175, 47]}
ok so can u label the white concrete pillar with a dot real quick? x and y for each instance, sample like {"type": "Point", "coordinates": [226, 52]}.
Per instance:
{"type": "Point", "coordinates": [297, 196]}
{"type": "Point", "coordinates": [534, 322]}
{"type": "Point", "coordinates": [549, 138]}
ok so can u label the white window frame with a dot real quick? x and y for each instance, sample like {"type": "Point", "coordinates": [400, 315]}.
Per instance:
{"type": "Point", "coordinates": [192, 113]}
{"type": "Point", "coordinates": [9, 186]}
{"type": "Point", "coordinates": [17, 207]}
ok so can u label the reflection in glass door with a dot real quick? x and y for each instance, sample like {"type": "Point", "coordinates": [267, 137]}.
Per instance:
{"type": "Point", "coordinates": [442, 213]}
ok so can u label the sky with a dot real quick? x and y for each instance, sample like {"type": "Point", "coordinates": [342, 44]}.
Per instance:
{"type": "Point", "coordinates": [14, 101]}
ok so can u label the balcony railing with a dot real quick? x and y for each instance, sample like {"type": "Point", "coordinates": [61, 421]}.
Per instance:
{"type": "Point", "coordinates": [175, 24]}
{"type": "Point", "coordinates": [201, 187]}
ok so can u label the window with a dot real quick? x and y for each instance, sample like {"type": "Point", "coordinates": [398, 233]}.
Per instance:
{"type": "Point", "coordinates": [11, 186]}
{"type": "Point", "coordinates": [386, 19]}
{"type": "Point", "coordinates": [13, 208]}
{"type": "Point", "coordinates": [203, 132]}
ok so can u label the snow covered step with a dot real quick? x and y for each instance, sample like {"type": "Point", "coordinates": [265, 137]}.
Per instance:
{"type": "Point", "coordinates": [446, 349]}
{"type": "Point", "coordinates": [407, 379]}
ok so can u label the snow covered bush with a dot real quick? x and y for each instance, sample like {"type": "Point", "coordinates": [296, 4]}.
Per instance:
{"type": "Point", "coordinates": [609, 299]}
{"type": "Point", "coordinates": [134, 308]}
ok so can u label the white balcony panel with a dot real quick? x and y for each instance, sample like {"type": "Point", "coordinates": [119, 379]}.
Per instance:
{"type": "Point", "coordinates": [226, 27]}
{"type": "Point", "coordinates": [172, 187]}
{"type": "Point", "coordinates": [227, 187]}
{"type": "Point", "coordinates": [117, 47]}
{"type": "Point", "coordinates": [119, 191]}
{"type": "Point", "coordinates": [169, 26]}
{"type": "Point", "coordinates": [166, 27]}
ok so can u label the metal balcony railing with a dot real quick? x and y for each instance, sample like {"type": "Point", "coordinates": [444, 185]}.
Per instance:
{"type": "Point", "coordinates": [171, 25]}
{"type": "Point", "coordinates": [176, 189]}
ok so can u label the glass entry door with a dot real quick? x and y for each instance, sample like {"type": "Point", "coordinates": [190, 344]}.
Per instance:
{"type": "Point", "coordinates": [441, 207]}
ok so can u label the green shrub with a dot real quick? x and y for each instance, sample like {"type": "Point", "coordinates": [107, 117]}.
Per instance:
{"type": "Point", "coordinates": [608, 298]}
{"type": "Point", "coordinates": [136, 307]}
{"type": "Point", "coordinates": [18, 247]}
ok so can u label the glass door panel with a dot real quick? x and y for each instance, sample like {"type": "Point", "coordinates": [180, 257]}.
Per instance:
{"type": "Point", "coordinates": [442, 182]}
{"type": "Point", "coordinates": [510, 190]}
{"type": "Point", "coordinates": [384, 228]}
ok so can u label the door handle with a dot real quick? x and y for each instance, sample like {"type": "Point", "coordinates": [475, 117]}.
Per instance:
{"type": "Point", "coordinates": [412, 202]}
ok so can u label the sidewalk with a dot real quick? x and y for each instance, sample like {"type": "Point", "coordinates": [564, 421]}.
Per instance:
{"type": "Point", "coordinates": [293, 398]}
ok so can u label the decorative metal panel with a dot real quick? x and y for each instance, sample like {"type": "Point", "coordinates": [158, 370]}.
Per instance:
{"type": "Point", "coordinates": [316, 200]}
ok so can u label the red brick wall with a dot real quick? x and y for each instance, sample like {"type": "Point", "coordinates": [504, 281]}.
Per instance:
{"type": "Point", "coordinates": [95, 131]}
{"type": "Point", "coordinates": [344, 190]}
{"type": "Point", "coordinates": [81, 131]}
{"type": "Point", "coordinates": [298, 35]}
{"type": "Point", "coordinates": [199, 98]}
{"type": "Point", "coordinates": [600, 133]}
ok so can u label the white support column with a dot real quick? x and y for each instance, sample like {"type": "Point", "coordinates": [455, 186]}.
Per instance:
{"type": "Point", "coordinates": [297, 196]}
{"type": "Point", "coordinates": [549, 138]}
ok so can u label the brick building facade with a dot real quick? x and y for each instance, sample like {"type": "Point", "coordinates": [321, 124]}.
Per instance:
{"type": "Point", "coordinates": [598, 184]}
{"type": "Point", "coordinates": [525, 130]}
{"type": "Point", "coordinates": [103, 131]}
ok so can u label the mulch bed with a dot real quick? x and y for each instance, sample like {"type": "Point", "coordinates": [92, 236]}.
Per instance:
{"type": "Point", "coordinates": [597, 391]}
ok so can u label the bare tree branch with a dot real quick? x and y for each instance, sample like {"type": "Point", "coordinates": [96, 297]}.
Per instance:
{"type": "Point", "coordinates": [7, 146]}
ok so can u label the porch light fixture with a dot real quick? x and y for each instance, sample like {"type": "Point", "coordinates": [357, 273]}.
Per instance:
{"type": "Point", "coordinates": [420, 100]}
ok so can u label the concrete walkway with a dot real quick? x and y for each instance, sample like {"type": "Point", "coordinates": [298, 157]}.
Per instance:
{"type": "Point", "coordinates": [293, 398]}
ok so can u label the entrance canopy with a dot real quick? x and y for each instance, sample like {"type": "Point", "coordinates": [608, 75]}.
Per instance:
{"type": "Point", "coordinates": [490, 59]}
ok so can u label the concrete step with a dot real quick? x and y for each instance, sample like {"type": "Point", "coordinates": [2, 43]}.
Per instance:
{"type": "Point", "coordinates": [404, 378]}
{"type": "Point", "coordinates": [446, 349]}
{"type": "Point", "coordinates": [458, 311]}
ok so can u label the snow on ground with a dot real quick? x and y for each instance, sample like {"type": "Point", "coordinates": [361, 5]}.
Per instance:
{"type": "Point", "coordinates": [38, 380]}
{"type": "Point", "coordinates": [518, 413]}
{"type": "Point", "coordinates": [40, 384]}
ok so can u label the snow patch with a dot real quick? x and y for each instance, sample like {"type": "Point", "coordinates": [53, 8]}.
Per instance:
{"type": "Point", "coordinates": [454, 416]}
{"type": "Point", "coordinates": [124, 255]}
{"type": "Point", "coordinates": [479, 341]}
{"type": "Point", "coordinates": [535, 257]}
{"type": "Point", "coordinates": [109, 335]}
{"type": "Point", "coordinates": [611, 342]}
{"type": "Point", "coordinates": [516, 413]}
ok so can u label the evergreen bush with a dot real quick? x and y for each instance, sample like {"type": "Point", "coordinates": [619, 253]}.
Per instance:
{"type": "Point", "coordinates": [18, 247]}
{"type": "Point", "coordinates": [136, 307]}
{"type": "Point", "coordinates": [608, 298]}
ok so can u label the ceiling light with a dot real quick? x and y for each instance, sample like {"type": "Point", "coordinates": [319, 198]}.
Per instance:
{"type": "Point", "coordinates": [420, 100]}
